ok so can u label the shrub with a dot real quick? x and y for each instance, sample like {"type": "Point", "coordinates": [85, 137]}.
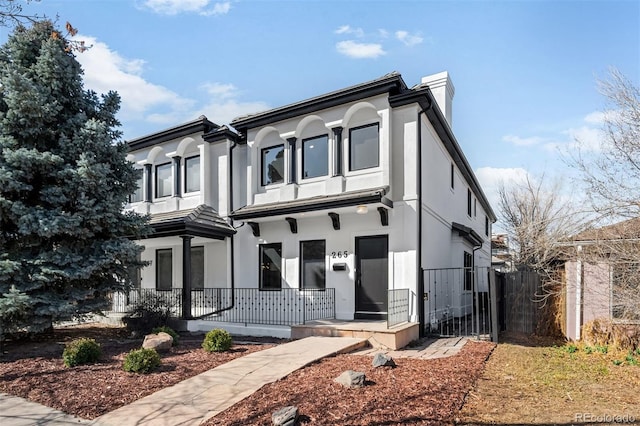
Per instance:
{"type": "Point", "coordinates": [81, 351]}
{"type": "Point", "coordinates": [141, 361]}
{"type": "Point", "coordinates": [170, 332]}
{"type": "Point", "coordinates": [217, 340]}
{"type": "Point", "coordinates": [151, 310]}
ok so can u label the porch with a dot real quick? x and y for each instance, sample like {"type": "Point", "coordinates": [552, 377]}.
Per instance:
{"type": "Point", "coordinates": [378, 333]}
{"type": "Point", "coordinates": [287, 312]}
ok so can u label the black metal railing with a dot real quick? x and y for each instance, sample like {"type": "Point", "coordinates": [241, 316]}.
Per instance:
{"type": "Point", "coordinates": [241, 305]}
{"type": "Point", "coordinates": [398, 306]}
{"type": "Point", "coordinates": [457, 301]}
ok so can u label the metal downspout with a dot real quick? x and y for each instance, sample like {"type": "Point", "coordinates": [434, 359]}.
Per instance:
{"type": "Point", "coordinates": [421, 294]}
{"type": "Point", "coordinates": [476, 293]}
{"type": "Point", "coordinates": [232, 260]}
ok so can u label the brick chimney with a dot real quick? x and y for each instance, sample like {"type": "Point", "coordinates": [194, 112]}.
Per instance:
{"type": "Point", "coordinates": [442, 88]}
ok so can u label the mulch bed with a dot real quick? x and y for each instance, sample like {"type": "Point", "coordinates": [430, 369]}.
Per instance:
{"type": "Point", "coordinates": [416, 392]}
{"type": "Point", "coordinates": [35, 371]}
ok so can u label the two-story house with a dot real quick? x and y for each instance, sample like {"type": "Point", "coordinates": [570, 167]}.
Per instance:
{"type": "Point", "coordinates": [351, 194]}
{"type": "Point", "coordinates": [184, 187]}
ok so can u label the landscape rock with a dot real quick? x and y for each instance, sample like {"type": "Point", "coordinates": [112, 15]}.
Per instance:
{"type": "Point", "coordinates": [383, 360]}
{"type": "Point", "coordinates": [351, 379]}
{"type": "Point", "coordinates": [161, 342]}
{"type": "Point", "coordinates": [286, 416]}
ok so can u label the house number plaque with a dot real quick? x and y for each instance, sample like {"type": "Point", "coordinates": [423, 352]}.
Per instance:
{"type": "Point", "coordinates": [339, 254]}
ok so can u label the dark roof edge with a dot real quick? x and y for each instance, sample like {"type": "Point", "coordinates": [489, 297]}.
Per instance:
{"type": "Point", "coordinates": [325, 204]}
{"type": "Point", "coordinates": [222, 133]}
{"type": "Point", "coordinates": [391, 82]}
{"type": "Point", "coordinates": [201, 124]}
{"type": "Point", "coordinates": [467, 233]}
{"type": "Point", "coordinates": [427, 102]}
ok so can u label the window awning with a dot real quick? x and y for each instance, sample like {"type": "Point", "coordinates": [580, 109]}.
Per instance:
{"type": "Point", "coordinates": [323, 202]}
{"type": "Point", "coordinates": [467, 233]}
{"type": "Point", "coordinates": [202, 221]}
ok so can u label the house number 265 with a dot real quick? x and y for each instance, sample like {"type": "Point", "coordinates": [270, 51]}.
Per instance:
{"type": "Point", "coordinates": [339, 254]}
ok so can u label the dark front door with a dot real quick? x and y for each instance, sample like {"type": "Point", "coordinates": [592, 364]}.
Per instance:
{"type": "Point", "coordinates": [372, 274]}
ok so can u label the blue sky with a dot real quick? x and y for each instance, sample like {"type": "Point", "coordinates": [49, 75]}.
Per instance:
{"type": "Point", "coordinates": [525, 72]}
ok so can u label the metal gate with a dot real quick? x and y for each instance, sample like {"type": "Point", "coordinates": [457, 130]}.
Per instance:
{"type": "Point", "coordinates": [458, 302]}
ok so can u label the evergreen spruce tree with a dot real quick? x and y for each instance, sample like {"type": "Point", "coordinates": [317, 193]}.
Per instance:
{"type": "Point", "coordinates": [64, 179]}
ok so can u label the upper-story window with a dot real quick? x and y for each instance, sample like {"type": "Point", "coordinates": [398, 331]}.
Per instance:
{"type": "Point", "coordinates": [192, 174]}
{"type": "Point", "coordinates": [453, 176]}
{"type": "Point", "coordinates": [469, 202]}
{"type": "Point", "coordinates": [163, 180]}
{"type": "Point", "coordinates": [273, 165]}
{"type": "Point", "coordinates": [138, 194]}
{"type": "Point", "coordinates": [315, 157]}
{"type": "Point", "coordinates": [364, 147]}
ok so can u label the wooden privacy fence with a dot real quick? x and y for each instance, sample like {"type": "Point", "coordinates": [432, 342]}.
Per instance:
{"type": "Point", "coordinates": [518, 306]}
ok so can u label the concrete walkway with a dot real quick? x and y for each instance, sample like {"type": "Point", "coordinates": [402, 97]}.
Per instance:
{"type": "Point", "coordinates": [16, 411]}
{"type": "Point", "coordinates": [427, 349]}
{"type": "Point", "coordinates": [196, 399]}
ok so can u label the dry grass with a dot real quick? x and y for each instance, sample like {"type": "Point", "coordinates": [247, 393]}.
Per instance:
{"type": "Point", "coordinates": [603, 332]}
{"type": "Point", "coordinates": [553, 384]}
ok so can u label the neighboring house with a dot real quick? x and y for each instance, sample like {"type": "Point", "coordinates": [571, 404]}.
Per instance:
{"type": "Point", "coordinates": [344, 199]}
{"type": "Point", "coordinates": [602, 276]}
{"type": "Point", "coordinates": [501, 253]}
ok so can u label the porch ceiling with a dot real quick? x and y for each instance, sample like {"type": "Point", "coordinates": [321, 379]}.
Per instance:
{"type": "Point", "coordinates": [324, 202]}
{"type": "Point", "coordinates": [202, 221]}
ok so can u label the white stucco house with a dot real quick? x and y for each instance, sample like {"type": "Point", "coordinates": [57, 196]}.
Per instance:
{"type": "Point", "coordinates": [328, 207]}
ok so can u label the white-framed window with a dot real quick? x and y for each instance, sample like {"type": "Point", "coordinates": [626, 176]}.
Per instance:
{"type": "Point", "coordinates": [453, 176]}
{"type": "Point", "coordinates": [364, 147]}
{"type": "Point", "coordinates": [313, 264]}
{"type": "Point", "coordinates": [270, 266]}
{"type": "Point", "coordinates": [138, 194]}
{"type": "Point", "coordinates": [192, 174]}
{"type": "Point", "coordinates": [164, 184]}
{"type": "Point", "coordinates": [315, 157]}
{"type": "Point", "coordinates": [164, 269]}
{"type": "Point", "coordinates": [468, 271]}
{"type": "Point", "coordinates": [197, 268]}
{"type": "Point", "coordinates": [272, 165]}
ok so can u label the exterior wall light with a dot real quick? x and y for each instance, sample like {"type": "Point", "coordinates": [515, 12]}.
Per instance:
{"type": "Point", "coordinates": [362, 209]}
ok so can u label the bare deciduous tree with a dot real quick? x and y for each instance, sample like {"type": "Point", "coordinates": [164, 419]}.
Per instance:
{"type": "Point", "coordinates": [538, 219]}
{"type": "Point", "coordinates": [611, 171]}
{"type": "Point", "coordinates": [12, 13]}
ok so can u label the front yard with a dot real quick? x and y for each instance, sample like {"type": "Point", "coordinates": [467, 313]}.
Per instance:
{"type": "Point", "coordinates": [525, 380]}
{"type": "Point", "coordinates": [536, 382]}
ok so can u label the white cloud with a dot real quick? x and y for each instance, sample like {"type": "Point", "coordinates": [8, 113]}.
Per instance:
{"type": "Point", "coordinates": [354, 49]}
{"type": "Point", "coordinates": [224, 105]}
{"type": "Point", "coordinates": [588, 139]}
{"type": "Point", "coordinates": [518, 141]}
{"type": "Point", "coordinates": [595, 117]}
{"type": "Point", "coordinates": [106, 69]}
{"type": "Point", "coordinates": [491, 178]}
{"type": "Point", "coordinates": [409, 39]}
{"type": "Point", "coordinates": [220, 90]}
{"type": "Point", "coordinates": [201, 7]}
{"type": "Point", "coordinates": [346, 29]}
